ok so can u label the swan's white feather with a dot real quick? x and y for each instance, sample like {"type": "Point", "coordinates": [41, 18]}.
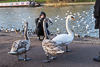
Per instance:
{"type": "Point", "coordinates": [63, 38]}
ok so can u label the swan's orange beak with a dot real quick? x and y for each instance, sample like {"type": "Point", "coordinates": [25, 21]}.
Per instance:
{"type": "Point", "coordinates": [72, 18]}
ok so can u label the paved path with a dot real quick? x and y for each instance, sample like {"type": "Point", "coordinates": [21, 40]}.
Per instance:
{"type": "Point", "coordinates": [81, 56]}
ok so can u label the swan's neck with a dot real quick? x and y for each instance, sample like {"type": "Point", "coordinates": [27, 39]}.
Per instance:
{"type": "Point", "coordinates": [45, 31]}
{"type": "Point", "coordinates": [25, 35]}
{"type": "Point", "coordinates": [68, 28]}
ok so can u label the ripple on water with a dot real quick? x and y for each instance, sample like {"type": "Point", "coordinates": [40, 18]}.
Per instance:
{"type": "Point", "coordinates": [83, 16]}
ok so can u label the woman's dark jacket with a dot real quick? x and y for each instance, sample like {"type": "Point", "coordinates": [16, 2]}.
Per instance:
{"type": "Point", "coordinates": [39, 27]}
{"type": "Point", "coordinates": [97, 14]}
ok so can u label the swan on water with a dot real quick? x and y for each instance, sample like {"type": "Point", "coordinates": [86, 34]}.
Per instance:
{"type": "Point", "coordinates": [55, 20]}
{"type": "Point", "coordinates": [84, 11]}
{"type": "Point", "coordinates": [19, 15]}
{"type": "Point", "coordinates": [84, 22]}
{"type": "Point", "coordinates": [21, 46]}
{"type": "Point", "coordinates": [80, 16]}
{"type": "Point", "coordinates": [73, 26]}
{"type": "Point", "coordinates": [66, 13]}
{"type": "Point", "coordinates": [29, 17]}
{"type": "Point", "coordinates": [78, 25]}
{"type": "Point", "coordinates": [77, 21]}
{"type": "Point", "coordinates": [58, 31]}
{"type": "Point", "coordinates": [2, 28]}
{"type": "Point", "coordinates": [70, 12]}
{"type": "Point", "coordinates": [50, 47]}
{"type": "Point", "coordinates": [23, 14]}
{"type": "Point", "coordinates": [6, 12]}
{"type": "Point", "coordinates": [61, 19]}
{"type": "Point", "coordinates": [83, 18]}
{"type": "Point", "coordinates": [12, 13]}
{"type": "Point", "coordinates": [57, 15]}
{"type": "Point", "coordinates": [87, 26]}
{"type": "Point", "coordinates": [65, 39]}
{"type": "Point", "coordinates": [74, 13]}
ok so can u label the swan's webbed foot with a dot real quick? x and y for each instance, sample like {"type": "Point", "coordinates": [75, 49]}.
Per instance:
{"type": "Point", "coordinates": [27, 59]}
{"type": "Point", "coordinates": [20, 58]}
{"type": "Point", "coordinates": [68, 50]}
{"type": "Point", "coordinates": [39, 39]}
{"type": "Point", "coordinates": [53, 58]}
{"type": "Point", "coordinates": [46, 61]}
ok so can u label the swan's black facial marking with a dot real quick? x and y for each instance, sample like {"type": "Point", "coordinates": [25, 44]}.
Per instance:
{"type": "Point", "coordinates": [72, 18]}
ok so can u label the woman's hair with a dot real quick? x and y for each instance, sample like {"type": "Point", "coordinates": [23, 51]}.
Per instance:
{"type": "Point", "coordinates": [42, 13]}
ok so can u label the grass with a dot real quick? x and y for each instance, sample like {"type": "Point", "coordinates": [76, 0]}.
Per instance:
{"type": "Point", "coordinates": [41, 1]}
{"type": "Point", "coordinates": [20, 0]}
{"type": "Point", "coordinates": [86, 1]}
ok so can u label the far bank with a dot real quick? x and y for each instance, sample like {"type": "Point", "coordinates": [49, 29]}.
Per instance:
{"type": "Point", "coordinates": [67, 4]}
{"type": "Point", "coordinates": [60, 4]}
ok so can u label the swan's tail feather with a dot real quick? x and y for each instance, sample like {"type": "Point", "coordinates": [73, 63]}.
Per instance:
{"type": "Point", "coordinates": [61, 51]}
{"type": "Point", "coordinates": [12, 53]}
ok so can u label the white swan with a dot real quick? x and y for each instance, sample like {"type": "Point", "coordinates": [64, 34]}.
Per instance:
{"type": "Point", "coordinates": [58, 31]}
{"type": "Point", "coordinates": [21, 46]}
{"type": "Point", "coordinates": [49, 46]}
{"type": "Point", "coordinates": [1, 30]}
{"type": "Point", "coordinates": [12, 28]}
{"type": "Point", "coordinates": [65, 39]}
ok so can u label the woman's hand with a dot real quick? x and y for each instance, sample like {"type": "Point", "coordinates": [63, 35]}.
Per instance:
{"type": "Point", "coordinates": [50, 21]}
{"type": "Point", "coordinates": [45, 20]}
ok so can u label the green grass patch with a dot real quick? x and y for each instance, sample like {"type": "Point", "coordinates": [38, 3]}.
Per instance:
{"type": "Point", "coordinates": [85, 0]}
{"type": "Point", "coordinates": [41, 1]}
{"type": "Point", "coordinates": [20, 0]}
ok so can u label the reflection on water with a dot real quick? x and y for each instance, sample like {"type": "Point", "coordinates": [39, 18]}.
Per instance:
{"type": "Point", "coordinates": [83, 24]}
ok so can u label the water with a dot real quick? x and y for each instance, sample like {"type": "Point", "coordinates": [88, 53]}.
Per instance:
{"type": "Point", "coordinates": [83, 24]}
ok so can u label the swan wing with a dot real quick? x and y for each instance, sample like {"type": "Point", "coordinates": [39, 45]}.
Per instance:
{"type": "Point", "coordinates": [14, 46]}
{"type": "Point", "coordinates": [51, 47]}
{"type": "Point", "coordinates": [64, 38]}
{"type": "Point", "coordinates": [20, 44]}
{"type": "Point", "coordinates": [13, 53]}
{"type": "Point", "coordinates": [25, 44]}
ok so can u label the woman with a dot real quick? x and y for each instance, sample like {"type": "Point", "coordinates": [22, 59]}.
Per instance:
{"type": "Point", "coordinates": [39, 25]}
{"type": "Point", "coordinates": [97, 22]}
{"type": "Point", "coordinates": [97, 14]}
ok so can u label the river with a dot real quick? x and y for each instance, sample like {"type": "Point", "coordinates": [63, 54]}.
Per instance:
{"type": "Point", "coordinates": [84, 21]}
